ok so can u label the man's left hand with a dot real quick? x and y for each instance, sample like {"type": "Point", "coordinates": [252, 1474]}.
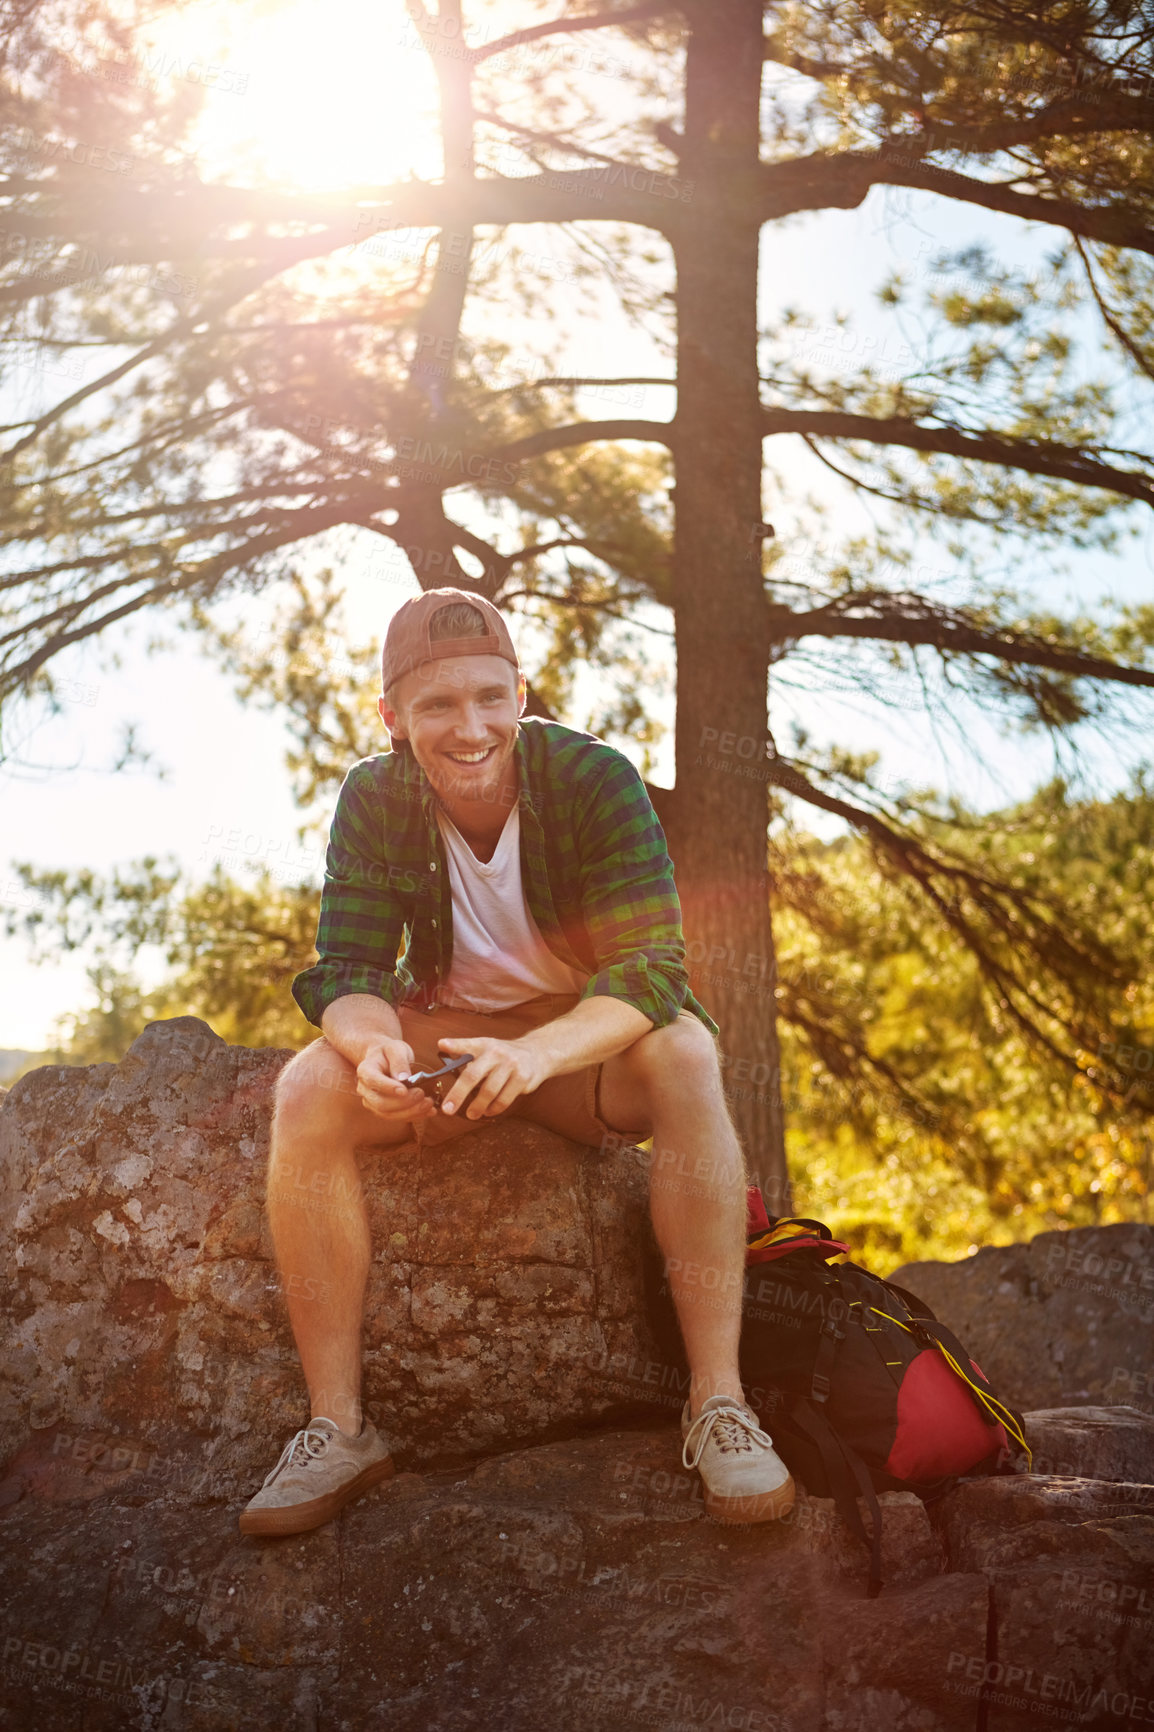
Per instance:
{"type": "Point", "coordinates": [500, 1071]}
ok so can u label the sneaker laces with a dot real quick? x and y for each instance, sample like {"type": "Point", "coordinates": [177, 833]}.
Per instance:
{"type": "Point", "coordinates": [303, 1443]}
{"type": "Point", "coordinates": [735, 1428]}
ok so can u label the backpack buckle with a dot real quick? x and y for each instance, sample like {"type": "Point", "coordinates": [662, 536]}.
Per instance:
{"type": "Point", "coordinates": [830, 1335]}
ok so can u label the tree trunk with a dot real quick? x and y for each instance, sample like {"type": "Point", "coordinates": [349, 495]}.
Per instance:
{"type": "Point", "coordinates": [421, 525]}
{"type": "Point", "coordinates": [719, 816]}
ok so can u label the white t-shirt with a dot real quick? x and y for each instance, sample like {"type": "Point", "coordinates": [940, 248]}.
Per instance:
{"type": "Point", "coordinates": [499, 956]}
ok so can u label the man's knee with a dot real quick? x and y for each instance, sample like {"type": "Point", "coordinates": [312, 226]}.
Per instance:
{"type": "Point", "coordinates": [682, 1053]}
{"type": "Point", "coordinates": [317, 1108]}
{"type": "Point", "coordinates": [318, 1078]}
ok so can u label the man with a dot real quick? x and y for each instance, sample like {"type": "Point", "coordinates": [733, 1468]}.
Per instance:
{"type": "Point", "coordinates": [501, 889]}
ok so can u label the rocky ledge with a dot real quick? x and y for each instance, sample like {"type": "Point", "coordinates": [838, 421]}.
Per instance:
{"type": "Point", "coordinates": [542, 1562]}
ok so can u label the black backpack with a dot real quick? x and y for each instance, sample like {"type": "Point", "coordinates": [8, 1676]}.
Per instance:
{"type": "Point", "coordinates": [860, 1386]}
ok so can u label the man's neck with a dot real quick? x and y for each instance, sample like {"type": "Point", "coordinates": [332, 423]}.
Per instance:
{"type": "Point", "coordinates": [481, 822]}
{"type": "Point", "coordinates": [481, 837]}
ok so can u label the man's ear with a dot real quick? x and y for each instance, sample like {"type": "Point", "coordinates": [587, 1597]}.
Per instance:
{"type": "Point", "coordinates": [390, 718]}
{"type": "Point", "coordinates": [522, 693]}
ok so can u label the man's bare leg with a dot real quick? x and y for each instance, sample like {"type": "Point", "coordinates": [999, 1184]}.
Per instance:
{"type": "Point", "coordinates": [696, 1191]}
{"type": "Point", "coordinates": [319, 1222]}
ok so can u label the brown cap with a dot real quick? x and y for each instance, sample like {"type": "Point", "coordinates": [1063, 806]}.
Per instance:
{"type": "Point", "coordinates": [407, 641]}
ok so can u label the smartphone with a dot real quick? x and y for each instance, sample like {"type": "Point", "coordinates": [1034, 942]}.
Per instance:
{"type": "Point", "coordinates": [420, 1076]}
{"type": "Point", "coordinates": [432, 1082]}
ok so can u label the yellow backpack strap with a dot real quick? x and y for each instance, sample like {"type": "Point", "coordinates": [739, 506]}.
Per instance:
{"type": "Point", "coordinates": [1004, 1416]}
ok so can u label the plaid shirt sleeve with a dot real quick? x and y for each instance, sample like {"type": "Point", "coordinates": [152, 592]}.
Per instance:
{"type": "Point", "coordinates": [629, 899]}
{"type": "Point", "coordinates": [362, 918]}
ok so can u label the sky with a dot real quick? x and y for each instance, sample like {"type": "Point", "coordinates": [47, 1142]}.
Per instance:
{"type": "Point", "coordinates": [216, 789]}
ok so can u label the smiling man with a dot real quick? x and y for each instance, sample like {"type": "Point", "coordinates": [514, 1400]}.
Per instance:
{"type": "Point", "coordinates": [501, 888]}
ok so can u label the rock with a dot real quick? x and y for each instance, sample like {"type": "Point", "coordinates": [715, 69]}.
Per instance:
{"type": "Point", "coordinates": [1110, 1443]}
{"type": "Point", "coordinates": [889, 1662]}
{"type": "Point", "coordinates": [1057, 1322]}
{"type": "Point", "coordinates": [1070, 1563]}
{"type": "Point", "coordinates": [542, 1562]}
{"type": "Point", "coordinates": [573, 1586]}
{"type": "Point", "coordinates": [506, 1301]}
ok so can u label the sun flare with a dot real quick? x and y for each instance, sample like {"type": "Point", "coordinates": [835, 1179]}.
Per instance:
{"type": "Point", "coordinates": [315, 94]}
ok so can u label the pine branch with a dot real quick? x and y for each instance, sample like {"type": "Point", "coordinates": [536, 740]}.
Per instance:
{"type": "Point", "coordinates": [908, 618]}
{"type": "Point", "coordinates": [828, 180]}
{"type": "Point", "coordinates": [570, 26]}
{"type": "Point", "coordinates": [584, 433]}
{"type": "Point", "coordinates": [1041, 937]}
{"type": "Point", "coordinates": [1034, 456]}
{"type": "Point", "coordinates": [1113, 324]}
{"type": "Point", "coordinates": [577, 383]}
{"type": "Point", "coordinates": [205, 575]}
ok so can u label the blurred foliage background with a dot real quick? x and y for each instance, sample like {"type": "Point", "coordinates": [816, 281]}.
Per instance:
{"type": "Point", "coordinates": [924, 1120]}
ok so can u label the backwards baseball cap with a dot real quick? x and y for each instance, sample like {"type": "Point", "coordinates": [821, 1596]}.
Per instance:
{"type": "Point", "coordinates": [408, 644]}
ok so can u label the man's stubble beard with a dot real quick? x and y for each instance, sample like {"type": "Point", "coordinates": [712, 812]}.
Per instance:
{"type": "Point", "coordinates": [492, 794]}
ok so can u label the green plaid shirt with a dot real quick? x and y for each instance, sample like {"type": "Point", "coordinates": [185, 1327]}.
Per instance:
{"type": "Point", "coordinates": [594, 865]}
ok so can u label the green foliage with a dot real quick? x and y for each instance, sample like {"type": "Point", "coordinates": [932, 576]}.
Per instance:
{"type": "Point", "coordinates": [923, 1120]}
{"type": "Point", "coordinates": [103, 1032]}
{"type": "Point", "coordinates": [231, 951]}
{"type": "Point", "coordinates": [948, 1126]}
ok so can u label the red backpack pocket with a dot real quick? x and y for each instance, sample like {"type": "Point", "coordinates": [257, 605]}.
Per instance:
{"type": "Point", "coordinates": [940, 1431]}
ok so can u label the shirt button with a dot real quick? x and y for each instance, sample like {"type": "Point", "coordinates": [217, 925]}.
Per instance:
{"type": "Point", "coordinates": [434, 923]}
{"type": "Point", "coordinates": [432, 865]}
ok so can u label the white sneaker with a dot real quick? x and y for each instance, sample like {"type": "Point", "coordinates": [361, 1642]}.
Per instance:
{"type": "Point", "coordinates": [320, 1470]}
{"type": "Point", "coordinates": [745, 1479]}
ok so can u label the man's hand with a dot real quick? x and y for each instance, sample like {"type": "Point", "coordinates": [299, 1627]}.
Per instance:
{"type": "Point", "coordinates": [501, 1070]}
{"type": "Point", "coordinates": [381, 1090]}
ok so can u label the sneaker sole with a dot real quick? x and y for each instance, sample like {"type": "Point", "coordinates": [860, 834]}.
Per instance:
{"type": "Point", "coordinates": [768, 1506]}
{"type": "Point", "coordinates": [301, 1518]}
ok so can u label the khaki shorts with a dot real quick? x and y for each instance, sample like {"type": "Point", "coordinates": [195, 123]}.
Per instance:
{"type": "Point", "coordinates": [566, 1104]}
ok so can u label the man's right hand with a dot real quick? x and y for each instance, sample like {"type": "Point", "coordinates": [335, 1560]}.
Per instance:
{"type": "Point", "coordinates": [381, 1090]}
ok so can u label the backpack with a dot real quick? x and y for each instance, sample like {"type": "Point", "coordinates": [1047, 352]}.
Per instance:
{"type": "Point", "coordinates": [860, 1386]}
